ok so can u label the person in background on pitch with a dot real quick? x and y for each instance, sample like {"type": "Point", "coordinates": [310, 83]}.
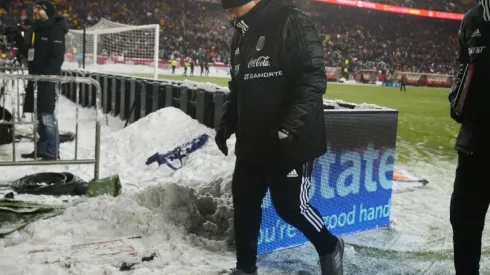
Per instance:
{"type": "Point", "coordinates": [403, 83]}
{"type": "Point", "coordinates": [275, 108]}
{"type": "Point", "coordinates": [45, 51]}
{"type": "Point", "coordinates": [469, 99]}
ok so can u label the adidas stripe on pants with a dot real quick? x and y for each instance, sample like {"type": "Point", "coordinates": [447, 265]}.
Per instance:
{"type": "Point", "coordinates": [289, 194]}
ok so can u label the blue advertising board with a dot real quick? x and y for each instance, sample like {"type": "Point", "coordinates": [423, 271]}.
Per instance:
{"type": "Point", "coordinates": [391, 84]}
{"type": "Point", "coordinates": [351, 188]}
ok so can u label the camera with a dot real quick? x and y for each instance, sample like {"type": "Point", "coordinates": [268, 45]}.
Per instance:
{"type": "Point", "coordinates": [13, 37]}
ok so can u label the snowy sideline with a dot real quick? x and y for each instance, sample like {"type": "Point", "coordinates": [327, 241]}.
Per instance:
{"type": "Point", "coordinates": [163, 207]}
{"type": "Point", "coordinates": [145, 70]}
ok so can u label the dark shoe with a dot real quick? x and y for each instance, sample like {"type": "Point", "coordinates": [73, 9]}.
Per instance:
{"type": "Point", "coordinates": [241, 272]}
{"type": "Point", "coordinates": [39, 156]}
{"type": "Point", "coordinates": [333, 264]}
{"type": "Point", "coordinates": [29, 156]}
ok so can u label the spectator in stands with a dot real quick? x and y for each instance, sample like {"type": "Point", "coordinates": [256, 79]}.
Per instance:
{"type": "Point", "coordinates": [197, 29]}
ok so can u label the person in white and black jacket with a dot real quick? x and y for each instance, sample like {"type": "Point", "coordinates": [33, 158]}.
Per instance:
{"type": "Point", "coordinates": [469, 99]}
{"type": "Point", "coordinates": [275, 108]}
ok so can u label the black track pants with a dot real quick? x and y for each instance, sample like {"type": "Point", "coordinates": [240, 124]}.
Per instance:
{"type": "Point", "coordinates": [289, 194]}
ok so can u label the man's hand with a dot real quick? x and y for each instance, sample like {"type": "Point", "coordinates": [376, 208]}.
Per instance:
{"type": "Point", "coordinates": [222, 135]}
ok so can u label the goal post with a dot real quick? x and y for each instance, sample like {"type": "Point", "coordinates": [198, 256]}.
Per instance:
{"type": "Point", "coordinates": [368, 76]}
{"type": "Point", "coordinates": [115, 48]}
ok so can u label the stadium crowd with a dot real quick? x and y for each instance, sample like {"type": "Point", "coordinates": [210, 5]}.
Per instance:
{"type": "Point", "coordinates": [199, 29]}
{"type": "Point", "coordinates": [459, 6]}
{"type": "Point", "coordinates": [379, 40]}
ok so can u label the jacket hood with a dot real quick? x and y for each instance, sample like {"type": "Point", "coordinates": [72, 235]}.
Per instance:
{"type": "Point", "coordinates": [59, 22]}
{"type": "Point", "coordinates": [259, 13]}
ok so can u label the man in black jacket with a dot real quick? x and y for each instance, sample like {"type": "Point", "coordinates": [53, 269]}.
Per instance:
{"type": "Point", "coordinates": [469, 98]}
{"type": "Point", "coordinates": [275, 108]}
{"type": "Point", "coordinates": [44, 50]}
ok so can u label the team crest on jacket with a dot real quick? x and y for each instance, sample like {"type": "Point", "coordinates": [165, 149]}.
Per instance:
{"type": "Point", "coordinates": [260, 43]}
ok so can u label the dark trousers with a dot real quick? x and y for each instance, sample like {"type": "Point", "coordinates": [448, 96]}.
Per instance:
{"type": "Point", "coordinates": [289, 194]}
{"type": "Point", "coordinates": [469, 205]}
{"type": "Point", "coordinates": [404, 87]}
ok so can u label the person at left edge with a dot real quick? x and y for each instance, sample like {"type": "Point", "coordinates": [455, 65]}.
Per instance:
{"type": "Point", "coordinates": [45, 51]}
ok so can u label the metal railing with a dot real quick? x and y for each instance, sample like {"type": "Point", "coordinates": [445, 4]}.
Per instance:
{"type": "Point", "coordinates": [12, 70]}
{"type": "Point", "coordinates": [58, 80]}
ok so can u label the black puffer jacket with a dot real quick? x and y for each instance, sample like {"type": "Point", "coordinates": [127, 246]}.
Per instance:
{"type": "Point", "coordinates": [470, 95]}
{"type": "Point", "coordinates": [49, 45]}
{"type": "Point", "coordinates": [278, 82]}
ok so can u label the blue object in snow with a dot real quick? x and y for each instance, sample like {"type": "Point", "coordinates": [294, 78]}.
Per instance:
{"type": "Point", "coordinates": [179, 152]}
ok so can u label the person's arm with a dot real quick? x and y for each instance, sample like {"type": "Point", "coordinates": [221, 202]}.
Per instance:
{"type": "Point", "coordinates": [229, 116]}
{"type": "Point", "coordinates": [457, 95]}
{"type": "Point", "coordinates": [304, 68]}
{"type": "Point", "coordinates": [57, 52]}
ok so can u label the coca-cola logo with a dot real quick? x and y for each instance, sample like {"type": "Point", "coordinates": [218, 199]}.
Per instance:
{"type": "Point", "coordinates": [262, 61]}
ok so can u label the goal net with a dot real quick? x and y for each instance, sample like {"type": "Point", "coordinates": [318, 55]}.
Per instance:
{"type": "Point", "coordinates": [115, 48]}
{"type": "Point", "coordinates": [368, 76]}
{"type": "Point", "coordinates": [333, 73]}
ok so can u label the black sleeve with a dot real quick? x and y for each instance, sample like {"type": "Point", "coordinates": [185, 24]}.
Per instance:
{"type": "Point", "coordinates": [229, 116]}
{"type": "Point", "coordinates": [304, 67]}
{"type": "Point", "coordinates": [464, 62]}
{"type": "Point", "coordinates": [57, 52]}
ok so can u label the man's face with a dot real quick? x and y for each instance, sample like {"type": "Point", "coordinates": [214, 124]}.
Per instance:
{"type": "Point", "coordinates": [39, 13]}
{"type": "Point", "coordinates": [235, 13]}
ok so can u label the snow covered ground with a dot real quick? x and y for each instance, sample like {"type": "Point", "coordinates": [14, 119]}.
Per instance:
{"type": "Point", "coordinates": [159, 205]}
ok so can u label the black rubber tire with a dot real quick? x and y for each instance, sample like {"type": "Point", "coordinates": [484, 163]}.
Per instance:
{"type": "Point", "coordinates": [56, 184]}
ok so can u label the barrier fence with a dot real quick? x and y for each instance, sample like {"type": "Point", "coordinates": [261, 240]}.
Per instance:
{"type": "Point", "coordinates": [371, 76]}
{"type": "Point", "coordinates": [131, 98]}
{"type": "Point", "coordinates": [59, 81]}
{"type": "Point", "coordinates": [12, 70]}
{"type": "Point", "coordinates": [351, 184]}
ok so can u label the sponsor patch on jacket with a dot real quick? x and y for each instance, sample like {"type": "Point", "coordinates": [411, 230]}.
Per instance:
{"type": "Point", "coordinates": [476, 50]}
{"type": "Point", "coordinates": [262, 75]}
{"type": "Point", "coordinates": [261, 61]}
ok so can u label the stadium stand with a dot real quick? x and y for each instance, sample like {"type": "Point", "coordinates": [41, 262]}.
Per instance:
{"type": "Point", "coordinates": [354, 39]}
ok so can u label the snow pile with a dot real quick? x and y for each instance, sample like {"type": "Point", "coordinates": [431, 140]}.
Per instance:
{"type": "Point", "coordinates": [202, 214]}
{"type": "Point", "coordinates": [103, 219]}
{"type": "Point", "coordinates": [206, 86]}
{"type": "Point", "coordinates": [161, 132]}
{"type": "Point", "coordinates": [160, 204]}
{"type": "Point", "coordinates": [340, 104]}
{"type": "Point", "coordinates": [185, 216]}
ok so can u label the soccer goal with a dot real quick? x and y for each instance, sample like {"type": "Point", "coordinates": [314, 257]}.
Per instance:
{"type": "Point", "coordinates": [115, 48]}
